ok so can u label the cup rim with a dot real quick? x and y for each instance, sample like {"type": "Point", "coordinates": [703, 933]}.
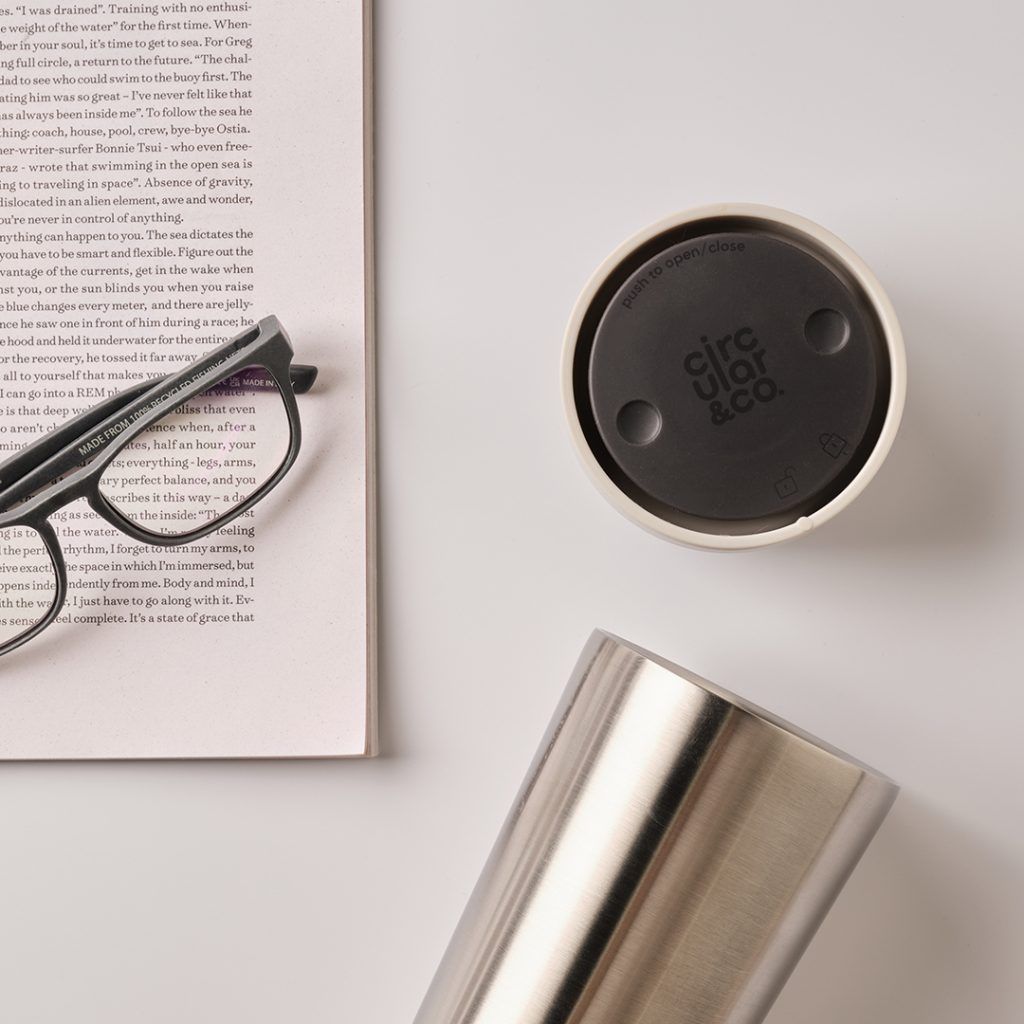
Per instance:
{"type": "Point", "coordinates": [883, 308]}
{"type": "Point", "coordinates": [741, 705]}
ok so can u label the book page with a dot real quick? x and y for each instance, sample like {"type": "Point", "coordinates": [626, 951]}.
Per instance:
{"type": "Point", "coordinates": [170, 172]}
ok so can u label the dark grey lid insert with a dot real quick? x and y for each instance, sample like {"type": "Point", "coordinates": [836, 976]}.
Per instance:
{"type": "Point", "coordinates": [730, 374]}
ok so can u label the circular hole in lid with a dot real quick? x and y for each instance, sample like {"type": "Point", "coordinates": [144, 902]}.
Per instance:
{"type": "Point", "coordinates": [638, 422]}
{"type": "Point", "coordinates": [827, 331]}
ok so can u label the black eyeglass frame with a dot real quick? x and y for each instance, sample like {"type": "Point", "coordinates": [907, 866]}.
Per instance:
{"type": "Point", "coordinates": [265, 345]}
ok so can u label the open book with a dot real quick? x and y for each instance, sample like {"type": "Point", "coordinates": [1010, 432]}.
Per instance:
{"type": "Point", "coordinates": [169, 174]}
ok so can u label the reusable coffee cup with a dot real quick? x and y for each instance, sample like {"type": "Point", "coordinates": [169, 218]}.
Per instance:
{"type": "Point", "coordinates": [667, 860]}
{"type": "Point", "coordinates": [733, 376]}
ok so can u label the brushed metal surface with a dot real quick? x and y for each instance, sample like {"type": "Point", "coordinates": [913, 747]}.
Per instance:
{"type": "Point", "coordinates": [670, 855]}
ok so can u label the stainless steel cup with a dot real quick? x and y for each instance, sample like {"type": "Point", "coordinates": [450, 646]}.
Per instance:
{"type": "Point", "coordinates": [669, 857]}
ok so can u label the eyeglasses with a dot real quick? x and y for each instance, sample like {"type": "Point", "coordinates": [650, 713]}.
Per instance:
{"type": "Point", "coordinates": [167, 461]}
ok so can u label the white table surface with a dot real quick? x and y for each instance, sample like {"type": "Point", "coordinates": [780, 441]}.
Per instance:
{"type": "Point", "coordinates": [518, 144]}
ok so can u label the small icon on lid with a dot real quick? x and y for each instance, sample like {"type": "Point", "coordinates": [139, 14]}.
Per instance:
{"type": "Point", "coordinates": [833, 444]}
{"type": "Point", "coordinates": [787, 486]}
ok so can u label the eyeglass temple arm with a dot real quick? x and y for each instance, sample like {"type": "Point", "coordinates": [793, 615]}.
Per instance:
{"type": "Point", "coordinates": [35, 454]}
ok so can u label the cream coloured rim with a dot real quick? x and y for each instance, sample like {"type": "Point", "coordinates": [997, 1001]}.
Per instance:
{"type": "Point", "coordinates": [857, 268]}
